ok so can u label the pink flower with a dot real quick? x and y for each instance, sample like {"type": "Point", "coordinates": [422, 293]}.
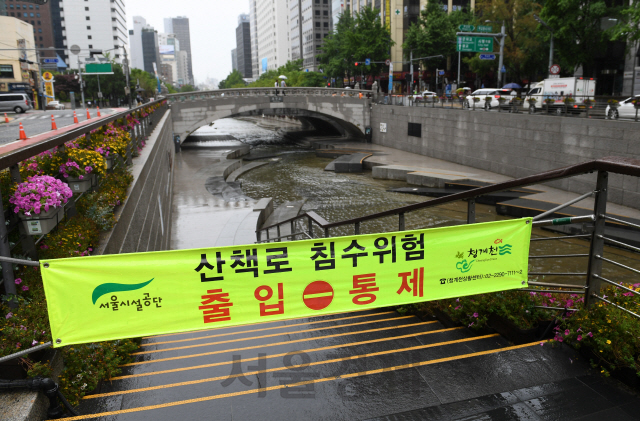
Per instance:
{"type": "Point", "coordinates": [25, 288]}
{"type": "Point", "coordinates": [34, 343]}
{"type": "Point", "coordinates": [579, 338]}
{"type": "Point", "coordinates": [8, 316]}
{"type": "Point", "coordinates": [18, 344]}
{"type": "Point", "coordinates": [590, 335]}
{"type": "Point", "coordinates": [567, 332]}
{"type": "Point", "coordinates": [541, 343]}
{"type": "Point", "coordinates": [560, 340]}
{"type": "Point", "coordinates": [472, 323]}
{"type": "Point", "coordinates": [475, 315]}
{"type": "Point", "coordinates": [18, 281]}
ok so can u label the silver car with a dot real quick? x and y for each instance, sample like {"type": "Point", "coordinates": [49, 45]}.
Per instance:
{"type": "Point", "coordinates": [16, 102]}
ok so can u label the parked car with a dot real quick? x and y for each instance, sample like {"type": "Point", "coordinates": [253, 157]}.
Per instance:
{"type": "Point", "coordinates": [426, 96]}
{"type": "Point", "coordinates": [625, 109]}
{"type": "Point", "coordinates": [495, 95]}
{"type": "Point", "coordinates": [16, 102]}
{"type": "Point", "coordinates": [55, 105]}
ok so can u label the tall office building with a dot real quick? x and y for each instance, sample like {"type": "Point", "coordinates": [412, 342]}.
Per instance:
{"type": "Point", "coordinates": [145, 47]}
{"type": "Point", "coordinates": [39, 16]}
{"type": "Point", "coordinates": [99, 24]}
{"type": "Point", "coordinates": [243, 46]}
{"type": "Point", "coordinates": [234, 59]}
{"type": "Point", "coordinates": [310, 23]}
{"type": "Point", "coordinates": [272, 34]}
{"type": "Point", "coordinates": [180, 27]}
{"type": "Point", "coordinates": [253, 18]}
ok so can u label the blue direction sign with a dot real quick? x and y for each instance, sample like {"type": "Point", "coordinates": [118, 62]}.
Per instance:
{"type": "Point", "coordinates": [367, 62]}
{"type": "Point", "coordinates": [503, 70]}
{"type": "Point", "coordinates": [487, 56]}
{"type": "Point", "coordinates": [441, 72]}
{"type": "Point", "coordinates": [50, 60]}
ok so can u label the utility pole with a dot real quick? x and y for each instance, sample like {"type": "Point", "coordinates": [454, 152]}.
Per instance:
{"type": "Point", "coordinates": [81, 83]}
{"type": "Point", "coordinates": [411, 70]}
{"type": "Point", "coordinates": [459, 69]}
{"type": "Point", "coordinates": [501, 61]}
{"type": "Point", "coordinates": [127, 89]}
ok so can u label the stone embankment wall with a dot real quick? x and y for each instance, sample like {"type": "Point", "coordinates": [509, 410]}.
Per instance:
{"type": "Point", "coordinates": [515, 145]}
{"type": "Point", "coordinates": [144, 220]}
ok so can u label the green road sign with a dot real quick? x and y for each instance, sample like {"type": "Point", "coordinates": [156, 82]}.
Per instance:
{"type": "Point", "coordinates": [466, 28]}
{"type": "Point", "coordinates": [467, 44]}
{"type": "Point", "coordinates": [98, 68]}
{"type": "Point", "coordinates": [485, 28]}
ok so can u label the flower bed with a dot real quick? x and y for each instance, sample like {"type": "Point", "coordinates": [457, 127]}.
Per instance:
{"type": "Point", "coordinates": [610, 336]}
{"type": "Point", "coordinates": [27, 324]}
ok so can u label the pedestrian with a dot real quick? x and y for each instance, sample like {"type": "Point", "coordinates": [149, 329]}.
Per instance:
{"type": "Point", "coordinates": [276, 86]}
{"type": "Point", "coordinates": [283, 85]}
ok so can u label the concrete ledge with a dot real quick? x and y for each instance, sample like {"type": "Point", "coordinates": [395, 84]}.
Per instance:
{"type": "Point", "coordinates": [244, 169]}
{"type": "Point", "coordinates": [431, 180]}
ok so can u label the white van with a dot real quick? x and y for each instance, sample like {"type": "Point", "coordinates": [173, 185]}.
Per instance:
{"type": "Point", "coordinates": [558, 89]}
{"type": "Point", "coordinates": [16, 102]}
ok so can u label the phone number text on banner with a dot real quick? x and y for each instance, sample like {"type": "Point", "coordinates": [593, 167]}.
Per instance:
{"type": "Point", "coordinates": [109, 297]}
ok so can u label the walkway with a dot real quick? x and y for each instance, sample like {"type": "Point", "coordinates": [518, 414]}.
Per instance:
{"type": "Point", "coordinates": [355, 366]}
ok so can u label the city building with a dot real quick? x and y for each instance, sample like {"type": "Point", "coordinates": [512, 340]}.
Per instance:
{"type": "Point", "coordinates": [19, 70]}
{"type": "Point", "coordinates": [169, 46]}
{"type": "Point", "coordinates": [95, 25]}
{"type": "Point", "coordinates": [135, 39]}
{"type": "Point", "coordinates": [243, 46]}
{"type": "Point", "coordinates": [311, 22]}
{"type": "Point", "coordinates": [145, 46]}
{"type": "Point", "coordinates": [272, 34]}
{"type": "Point", "coordinates": [234, 59]}
{"type": "Point", "coordinates": [39, 16]}
{"type": "Point", "coordinates": [180, 27]}
{"type": "Point", "coordinates": [253, 18]}
{"type": "Point", "coordinates": [182, 62]}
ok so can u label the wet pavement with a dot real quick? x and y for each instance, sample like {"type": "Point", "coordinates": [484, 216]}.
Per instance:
{"type": "Point", "coordinates": [360, 365]}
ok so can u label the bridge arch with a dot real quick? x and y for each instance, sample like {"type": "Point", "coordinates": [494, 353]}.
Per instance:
{"type": "Point", "coordinates": [344, 110]}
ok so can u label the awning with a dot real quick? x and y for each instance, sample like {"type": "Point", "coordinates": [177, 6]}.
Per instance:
{"type": "Point", "coordinates": [61, 63]}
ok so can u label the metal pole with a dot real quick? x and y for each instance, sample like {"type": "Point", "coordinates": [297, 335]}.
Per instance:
{"type": "Point", "coordinates": [411, 69]}
{"type": "Point", "coordinates": [5, 250]}
{"type": "Point", "coordinates": [551, 52]}
{"type": "Point", "coordinates": [471, 211]}
{"type": "Point", "coordinates": [459, 52]}
{"type": "Point", "coordinates": [597, 240]}
{"type": "Point", "coordinates": [501, 61]}
{"type": "Point", "coordinates": [81, 83]}
{"type": "Point", "coordinates": [99, 91]}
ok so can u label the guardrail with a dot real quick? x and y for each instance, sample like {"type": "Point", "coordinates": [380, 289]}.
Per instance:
{"type": "Point", "coordinates": [269, 92]}
{"type": "Point", "coordinates": [576, 107]}
{"type": "Point", "coordinates": [302, 226]}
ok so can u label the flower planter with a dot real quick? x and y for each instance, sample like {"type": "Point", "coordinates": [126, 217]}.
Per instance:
{"type": "Point", "coordinates": [80, 186]}
{"type": "Point", "coordinates": [42, 223]}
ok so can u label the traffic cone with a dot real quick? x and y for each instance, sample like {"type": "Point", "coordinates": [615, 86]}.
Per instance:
{"type": "Point", "coordinates": [75, 117]}
{"type": "Point", "coordinates": [23, 135]}
{"type": "Point", "coordinates": [88, 115]}
{"type": "Point", "coordinates": [53, 123]}
{"type": "Point", "coordinates": [98, 111]}
{"type": "Point", "coordinates": [6, 119]}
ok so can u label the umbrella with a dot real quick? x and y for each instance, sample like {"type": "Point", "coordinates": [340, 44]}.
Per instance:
{"type": "Point", "coordinates": [282, 77]}
{"type": "Point", "coordinates": [512, 86]}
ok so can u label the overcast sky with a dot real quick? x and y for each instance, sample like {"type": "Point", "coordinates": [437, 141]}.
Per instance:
{"type": "Point", "coordinates": [213, 29]}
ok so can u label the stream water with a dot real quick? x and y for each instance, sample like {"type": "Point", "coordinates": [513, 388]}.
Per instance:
{"type": "Point", "coordinates": [295, 173]}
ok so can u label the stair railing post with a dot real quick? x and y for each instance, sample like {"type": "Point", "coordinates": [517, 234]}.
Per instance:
{"type": "Point", "coordinates": [357, 228]}
{"type": "Point", "coordinates": [593, 285]}
{"type": "Point", "coordinates": [278, 231]}
{"type": "Point", "coordinates": [5, 250]}
{"type": "Point", "coordinates": [401, 222]}
{"type": "Point", "coordinates": [471, 211]}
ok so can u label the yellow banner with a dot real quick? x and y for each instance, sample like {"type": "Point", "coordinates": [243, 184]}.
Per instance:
{"type": "Point", "coordinates": [101, 298]}
{"type": "Point", "coordinates": [48, 89]}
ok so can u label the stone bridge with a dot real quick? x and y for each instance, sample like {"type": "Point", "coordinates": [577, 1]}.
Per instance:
{"type": "Point", "coordinates": [340, 109]}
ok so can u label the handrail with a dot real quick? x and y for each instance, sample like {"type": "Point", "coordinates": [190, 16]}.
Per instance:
{"type": "Point", "coordinates": [617, 165]}
{"type": "Point", "coordinates": [15, 156]}
{"type": "Point", "coordinates": [218, 92]}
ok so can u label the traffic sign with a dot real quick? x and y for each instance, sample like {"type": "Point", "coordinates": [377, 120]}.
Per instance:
{"type": "Point", "coordinates": [554, 70]}
{"type": "Point", "coordinates": [50, 60]}
{"type": "Point", "coordinates": [469, 44]}
{"type": "Point", "coordinates": [466, 28]}
{"type": "Point", "coordinates": [503, 70]}
{"type": "Point", "coordinates": [367, 62]}
{"type": "Point", "coordinates": [318, 295]}
{"type": "Point", "coordinates": [441, 72]}
{"type": "Point", "coordinates": [484, 28]}
{"type": "Point", "coordinates": [388, 62]}
{"type": "Point", "coordinates": [487, 56]}
{"type": "Point", "coordinates": [47, 77]}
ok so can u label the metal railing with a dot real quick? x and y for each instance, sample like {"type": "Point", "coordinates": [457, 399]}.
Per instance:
{"type": "Point", "coordinates": [311, 225]}
{"type": "Point", "coordinates": [576, 107]}
{"type": "Point", "coordinates": [268, 92]}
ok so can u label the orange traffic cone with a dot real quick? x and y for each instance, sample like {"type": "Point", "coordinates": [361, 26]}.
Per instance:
{"type": "Point", "coordinates": [53, 123]}
{"type": "Point", "coordinates": [88, 115]}
{"type": "Point", "coordinates": [98, 111]}
{"type": "Point", "coordinates": [75, 117]}
{"type": "Point", "coordinates": [23, 135]}
{"type": "Point", "coordinates": [6, 119]}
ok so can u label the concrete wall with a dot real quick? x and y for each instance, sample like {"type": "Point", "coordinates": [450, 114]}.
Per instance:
{"type": "Point", "coordinates": [144, 220]}
{"type": "Point", "coordinates": [515, 145]}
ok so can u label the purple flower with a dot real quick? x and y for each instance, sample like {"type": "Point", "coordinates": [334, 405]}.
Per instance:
{"type": "Point", "coordinates": [18, 281]}
{"type": "Point", "coordinates": [541, 343]}
{"type": "Point", "coordinates": [472, 323]}
{"type": "Point", "coordinates": [590, 335]}
{"type": "Point", "coordinates": [560, 340]}
{"type": "Point", "coordinates": [567, 332]}
{"type": "Point", "coordinates": [579, 338]}
{"type": "Point", "coordinates": [8, 316]}
{"type": "Point", "coordinates": [34, 343]}
{"type": "Point", "coordinates": [25, 288]}
{"type": "Point", "coordinates": [475, 315]}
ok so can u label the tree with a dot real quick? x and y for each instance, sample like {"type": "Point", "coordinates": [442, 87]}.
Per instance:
{"type": "Point", "coordinates": [336, 59]}
{"type": "Point", "coordinates": [372, 40]}
{"type": "Point", "coordinates": [234, 80]}
{"type": "Point", "coordinates": [579, 37]}
{"type": "Point", "coordinates": [188, 88]}
{"type": "Point", "coordinates": [523, 40]}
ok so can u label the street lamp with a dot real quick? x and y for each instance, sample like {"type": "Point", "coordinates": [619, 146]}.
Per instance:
{"type": "Point", "coordinates": [543, 23]}
{"type": "Point", "coordinates": [501, 60]}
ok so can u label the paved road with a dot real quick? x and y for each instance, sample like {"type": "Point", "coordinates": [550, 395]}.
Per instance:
{"type": "Point", "coordinates": [38, 122]}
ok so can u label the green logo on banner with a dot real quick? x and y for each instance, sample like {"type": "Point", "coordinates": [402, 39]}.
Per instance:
{"type": "Point", "coordinates": [463, 266]}
{"type": "Point", "coordinates": [506, 249]}
{"type": "Point", "coordinates": [109, 288]}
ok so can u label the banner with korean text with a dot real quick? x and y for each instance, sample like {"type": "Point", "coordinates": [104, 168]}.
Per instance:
{"type": "Point", "coordinates": [109, 297]}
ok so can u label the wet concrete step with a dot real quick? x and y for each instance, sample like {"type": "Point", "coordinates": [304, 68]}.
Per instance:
{"type": "Point", "coordinates": [488, 199]}
{"type": "Point", "coordinates": [348, 163]}
{"type": "Point", "coordinates": [244, 169]}
{"type": "Point", "coordinates": [474, 184]}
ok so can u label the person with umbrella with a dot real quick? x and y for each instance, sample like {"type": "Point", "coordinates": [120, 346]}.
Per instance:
{"type": "Point", "coordinates": [283, 84]}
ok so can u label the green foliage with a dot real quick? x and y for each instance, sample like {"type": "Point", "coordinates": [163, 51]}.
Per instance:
{"type": "Point", "coordinates": [294, 74]}
{"type": "Point", "coordinates": [234, 80]}
{"type": "Point", "coordinates": [579, 36]}
{"type": "Point", "coordinates": [188, 88]}
{"type": "Point", "coordinates": [354, 40]}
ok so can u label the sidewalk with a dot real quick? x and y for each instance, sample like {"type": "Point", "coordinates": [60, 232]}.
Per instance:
{"type": "Point", "coordinates": [383, 155]}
